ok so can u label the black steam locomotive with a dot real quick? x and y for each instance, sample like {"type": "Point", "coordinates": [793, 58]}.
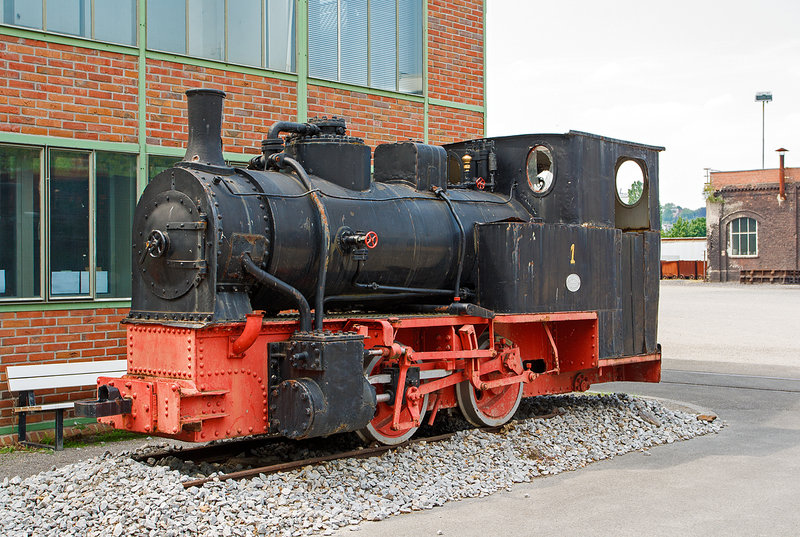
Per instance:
{"type": "Point", "coordinates": [310, 294]}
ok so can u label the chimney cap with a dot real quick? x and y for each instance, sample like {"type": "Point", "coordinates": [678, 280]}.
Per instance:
{"type": "Point", "coordinates": [781, 151]}
{"type": "Point", "coordinates": [208, 91]}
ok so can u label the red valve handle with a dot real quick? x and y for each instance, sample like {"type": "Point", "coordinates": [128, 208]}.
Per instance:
{"type": "Point", "coordinates": [371, 240]}
{"type": "Point", "coordinates": [480, 183]}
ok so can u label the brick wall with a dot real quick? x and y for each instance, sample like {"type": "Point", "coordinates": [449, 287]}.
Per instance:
{"type": "Point", "coordinates": [58, 336]}
{"type": "Point", "coordinates": [778, 224]}
{"type": "Point", "coordinates": [375, 119]}
{"type": "Point", "coordinates": [252, 104]}
{"type": "Point", "coordinates": [447, 125]}
{"type": "Point", "coordinates": [59, 90]}
{"type": "Point", "coordinates": [455, 53]}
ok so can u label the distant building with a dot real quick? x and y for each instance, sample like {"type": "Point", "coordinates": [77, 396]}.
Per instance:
{"type": "Point", "coordinates": [753, 230]}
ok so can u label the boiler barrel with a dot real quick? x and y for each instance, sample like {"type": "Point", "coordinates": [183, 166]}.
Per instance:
{"type": "Point", "coordinates": [418, 236]}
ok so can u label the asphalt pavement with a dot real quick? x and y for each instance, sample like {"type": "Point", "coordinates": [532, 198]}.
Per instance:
{"type": "Point", "coordinates": [728, 348]}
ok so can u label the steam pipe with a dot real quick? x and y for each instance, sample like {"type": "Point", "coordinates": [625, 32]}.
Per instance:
{"type": "Point", "coordinates": [412, 292]}
{"type": "Point", "coordinates": [252, 328]}
{"type": "Point", "coordinates": [282, 287]}
{"type": "Point", "coordinates": [281, 161]}
{"type": "Point", "coordinates": [462, 239]}
{"type": "Point", "coordinates": [291, 126]}
{"type": "Point", "coordinates": [394, 289]}
{"type": "Point", "coordinates": [370, 298]}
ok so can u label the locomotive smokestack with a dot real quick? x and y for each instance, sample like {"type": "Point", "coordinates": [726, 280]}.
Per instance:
{"type": "Point", "coordinates": [205, 126]}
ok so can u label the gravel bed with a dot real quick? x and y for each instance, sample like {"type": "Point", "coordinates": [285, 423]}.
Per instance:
{"type": "Point", "coordinates": [115, 495]}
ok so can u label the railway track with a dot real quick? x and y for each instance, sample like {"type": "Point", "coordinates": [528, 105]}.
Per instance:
{"type": "Point", "coordinates": [233, 450]}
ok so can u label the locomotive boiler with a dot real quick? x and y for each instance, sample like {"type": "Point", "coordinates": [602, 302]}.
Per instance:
{"type": "Point", "coordinates": [326, 289]}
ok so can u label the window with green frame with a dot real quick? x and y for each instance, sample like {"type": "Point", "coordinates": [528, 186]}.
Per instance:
{"type": "Point", "coordinates": [375, 43]}
{"type": "Point", "coordinates": [257, 33]}
{"type": "Point", "coordinates": [157, 164]}
{"type": "Point", "coordinates": [113, 21]}
{"type": "Point", "coordinates": [66, 225]}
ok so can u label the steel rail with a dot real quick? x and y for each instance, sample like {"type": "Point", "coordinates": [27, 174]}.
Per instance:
{"type": "Point", "coordinates": [210, 452]}
{"type": "Point", "coordinates": [358, 454]}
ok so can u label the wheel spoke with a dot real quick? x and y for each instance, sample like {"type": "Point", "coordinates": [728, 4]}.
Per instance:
{"type": "Point", "coordinates": [492, 407]}
{"type": "Point", "coordinates": [380, 428]}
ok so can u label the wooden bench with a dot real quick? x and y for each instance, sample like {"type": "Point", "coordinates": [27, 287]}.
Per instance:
{"type": "Point", "coordinates": [27, 378]}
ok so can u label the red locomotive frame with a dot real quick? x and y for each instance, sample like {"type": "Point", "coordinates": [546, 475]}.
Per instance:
{"type": "Point", "coordinates": [211, 383]}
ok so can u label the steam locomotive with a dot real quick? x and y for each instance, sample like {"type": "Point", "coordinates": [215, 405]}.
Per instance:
{"type": "Point", "coordinates": [310, 294]}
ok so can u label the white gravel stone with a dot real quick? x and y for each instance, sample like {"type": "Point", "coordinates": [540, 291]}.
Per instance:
{"type": "Point", "coordinates": [128, 498]}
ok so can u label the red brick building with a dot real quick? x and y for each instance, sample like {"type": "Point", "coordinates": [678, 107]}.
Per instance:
{"type": "Point", "coordinates": [751, 227]}
{"type": "Point", "coordinates": [92, 104]}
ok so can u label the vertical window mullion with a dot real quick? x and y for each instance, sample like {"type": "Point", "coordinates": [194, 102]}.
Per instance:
{"type": "Point", "coordinates": [92, 227]}
{"type": "Point", "coordinates": [42, 223]}
{"type": "Point", "coordinates": [369, 47]}
{"type": "Point", "coordinates": [45, 220]}
{"type": "Point", "coordinates": [397, 45]}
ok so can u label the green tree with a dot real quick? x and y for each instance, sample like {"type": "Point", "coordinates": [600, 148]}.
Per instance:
{"type": "Point", "coordinates": [697, 227]}
{"type": "Point", "coordinates": [687, 228]}
{"type": "Point", "coordinates": [635, 192]}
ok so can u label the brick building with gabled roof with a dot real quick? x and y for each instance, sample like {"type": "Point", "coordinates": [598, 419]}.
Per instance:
{"type": "Point", "coordinates": [753, 229]}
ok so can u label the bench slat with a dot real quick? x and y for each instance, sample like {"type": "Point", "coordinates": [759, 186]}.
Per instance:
{"type": "Point", "coordinates": [61, 381]}
{"type": "Point", "coordinates": [49, 370]}
{"type": "Point", "coordinates": [42, 408]}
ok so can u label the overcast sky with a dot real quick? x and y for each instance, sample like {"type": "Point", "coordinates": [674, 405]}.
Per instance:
{"type": "Point", "coordinates": [677, 74]}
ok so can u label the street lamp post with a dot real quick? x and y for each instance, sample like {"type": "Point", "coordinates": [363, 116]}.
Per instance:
{"type": "Point", "coordinates": [765, 97]}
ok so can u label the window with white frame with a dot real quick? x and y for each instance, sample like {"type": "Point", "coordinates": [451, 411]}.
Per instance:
{"type": "Point", "coordinates": [743, 237]}
{"type": "Point", "coordinates": [113, 21]}
{"type": "Point", "coordinates": [66, 226]}
{"type": "Point", "coordinates": [257, 33]}
{"type": "Point", "coordinates": [375, 43]}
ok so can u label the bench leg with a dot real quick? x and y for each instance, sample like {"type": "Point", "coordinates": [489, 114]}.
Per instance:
{"type": "Point", "coordinates": [22, 431]}
{"type": "Point", "coordinates": [60, 429]}
{"type": "Point", "coordinates": [25, 399]}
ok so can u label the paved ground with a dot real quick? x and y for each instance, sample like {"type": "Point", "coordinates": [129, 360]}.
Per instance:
{"type": "Point", "coordinates": [730, 348]}
{"type": "Point", "coordinates": [26, 463]}
{"type": "Point", "coordinates": [746, 325]}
